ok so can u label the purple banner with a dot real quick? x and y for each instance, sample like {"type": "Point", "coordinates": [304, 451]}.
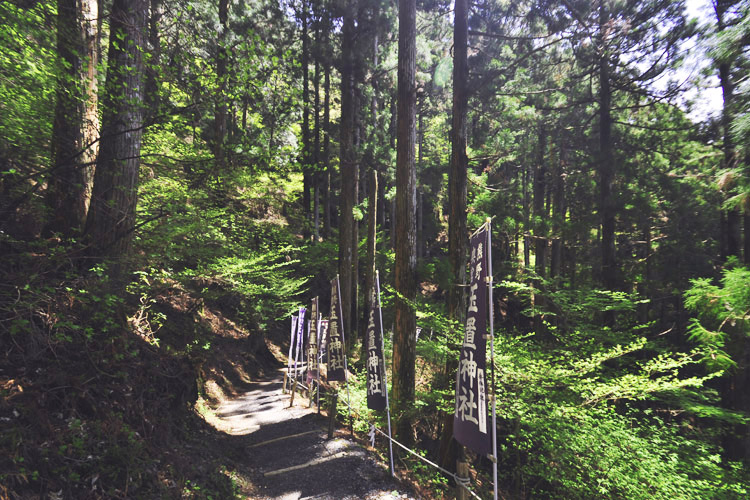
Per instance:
{"type": "Point", "coordinates": [470, 419]}
{"type": "Point", "coordinates": [312, 344]}
{"type": "Point", "coordinates": [376, 377]}
{"type": "Point", "coordinates": [336, 371]}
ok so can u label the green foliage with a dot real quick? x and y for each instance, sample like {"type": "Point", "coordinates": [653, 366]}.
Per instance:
{"type": "Point", "coordinates": [27, 83]}
{"type": "Point", "coordinates": [723, 311]}
{"type": "Point", "coordinates": [574, 425]}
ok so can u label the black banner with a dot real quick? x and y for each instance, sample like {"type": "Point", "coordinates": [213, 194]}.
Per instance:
{"type": "Point", "coordinates": [470, 420]}
{"type": "Point", "coordinates": [336, 371]}
{"type": "Point", "coordinates": [376, 378]}
{"type": "Point", "coordinates": [312, 344]}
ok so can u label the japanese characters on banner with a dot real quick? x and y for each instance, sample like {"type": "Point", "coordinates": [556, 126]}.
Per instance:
{"type": "Point", "coordinates": [322, 338]}
{"type": "Point", "coordinates": [298, 349]}
{"type": "Point", "coordinates": [312, 344]}
{"type": "Point", "coordinates": [470, 420]}
{"type": "Point", "coordinates": [291, 343]}
{"type": "Point", "coordinates": [336, 371]}
{"type": "Point", "coordinates": [376, 378]}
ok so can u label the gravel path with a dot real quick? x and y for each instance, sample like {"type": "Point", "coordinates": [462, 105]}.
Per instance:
{"type": "Point", "coordinates": [288, 456]}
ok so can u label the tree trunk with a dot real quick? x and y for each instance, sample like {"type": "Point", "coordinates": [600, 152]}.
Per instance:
{"type": "Point", "coordinates": [457, 231]}
{"type": "Point", "coordinates": [306, 171]}
{"type": "Point", "coordinates": [372, 202]}
{"type": "Point", "coordinates": [348, 165]}
{"type": "Point", "coordinates": [327, 138]}
{"type": "Point", "coordinates": [152, 66]}
{"type": "Point", "coordinates": [372, 209]}
{"type": "Point", "coordinates": [606, 166]}
{"type": "Point", "coordinates": [526, 217]}
{"type": "Point", "coordinates": [67, 192]}
{"type": "Point", "coordinates": [732, 235]}
{"type": "Point", "coordinates": [404, 342]}
{"type": "Point", "coordinates": [112, 215]}
{"type": "Point", "coordinates": [420, 222]}
{"type": "Point", "coordinates": [558, 216]}
{"type": "Point", "coordinates": [355, 223]}
{"type": "Point", "coordinates": [316, 128]}
{"type": "Point", "coordinates": [220, 110]}
{"type": "Point", "coordinates": [92, 39]}
{"type": "Point", "coordinates": [540, 214]}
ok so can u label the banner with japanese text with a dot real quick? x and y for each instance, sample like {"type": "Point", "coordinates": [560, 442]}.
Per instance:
{"type": "Point", "coordinates": [322, 338]}
{"type": "Point", "coordinates": [376, 377]}
{"type": "Point", "coordinates": [299, 346]}
{"type": "Point", "coordinates": [312, 344]}
{"type": "Point", "coordinates": [470, 420]}
{"type": "Point", "coordinates": [336, 371]}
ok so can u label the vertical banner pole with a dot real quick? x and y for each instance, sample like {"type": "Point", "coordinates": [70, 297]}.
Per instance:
{"type": "Point", "coordinates": [346, 369]}
{"type": "Point", "coordinates": [385, 375]}
{"type": "Point", "coordinates": [492, 354]}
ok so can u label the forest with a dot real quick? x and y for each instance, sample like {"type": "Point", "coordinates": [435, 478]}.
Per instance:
{"type": "Point", "coordinates": [178, 177]}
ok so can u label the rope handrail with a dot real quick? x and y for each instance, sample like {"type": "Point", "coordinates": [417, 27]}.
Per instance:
{"type": "Point", "coordinates": [461, 481]}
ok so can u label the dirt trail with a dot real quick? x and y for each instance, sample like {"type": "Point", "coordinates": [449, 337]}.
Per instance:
{"type": "Point", "coordinates": [287, 456]}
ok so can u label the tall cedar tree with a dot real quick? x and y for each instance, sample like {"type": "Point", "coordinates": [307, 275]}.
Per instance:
{"type": "Point", "coordinates": [457, 188]}
{"type": "Point", "coordinates": [75, 120]}
{"type": "Point", "coordinates": [306, 170]}
{"type": "Point", "coordinates": [372, 194]}
{"type": "Point", "coordinates": [731, 238]}
{"type": "Point", "coordinates": [220, 111]}
{"type": "Point", "coordinates": [348, 170]}
{"type": "Point", "coordinates": [404, 341]}
{"type": "Point", "coordinates": [111, 219]}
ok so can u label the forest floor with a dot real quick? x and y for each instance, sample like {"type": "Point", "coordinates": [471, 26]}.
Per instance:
{"type": "Point", "coordinates": [285, 453]}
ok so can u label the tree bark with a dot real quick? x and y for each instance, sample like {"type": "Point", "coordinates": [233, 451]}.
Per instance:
{"type": "Point", "coordinates": [306, 171]}
{"type": "Point", "coordinates": [558, 216]}
{"type": "Point", "coordinates": [372, 209]}
{"type": "Point", "coordinates": [372, 202]}
{"type": "Point", "coordinates": [111, 219]}
{"type": "Point", "coordinates": [357, 172]}
{"type": "Point", "coordinates": [404, 342]}
{"type": "Point", "coordinates": [220, 104]}
{"type": "Point", "coordinates": [316, 132]}
{"type": "Point", "coordinates": [457, 230]}
{"type": "Point", "coordinates": [606, 163]}
{"type": "Point", "coordinates": [68, 182]}
{"type": "Point", "coordinates": [327, 133]}
{"type": "Point", "coordinates": [92, 40]}
{"type": "Point", "coordinates": [153, 63]}
{"type": "Point", "coordinates": [540, 214]}
{"type": "Point", "coordinates": [526, 217]}
{"type": "Point", "coordinates": [348, 165]}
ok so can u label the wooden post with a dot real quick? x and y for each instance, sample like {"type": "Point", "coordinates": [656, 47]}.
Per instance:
{"type": "Point", "coordinates": [462, 471]}
{"type": "Point", "coordinates": [332, 411]}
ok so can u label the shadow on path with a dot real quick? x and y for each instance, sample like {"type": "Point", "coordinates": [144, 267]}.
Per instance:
{"type": "Point", "coordinates": [282, 453]}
